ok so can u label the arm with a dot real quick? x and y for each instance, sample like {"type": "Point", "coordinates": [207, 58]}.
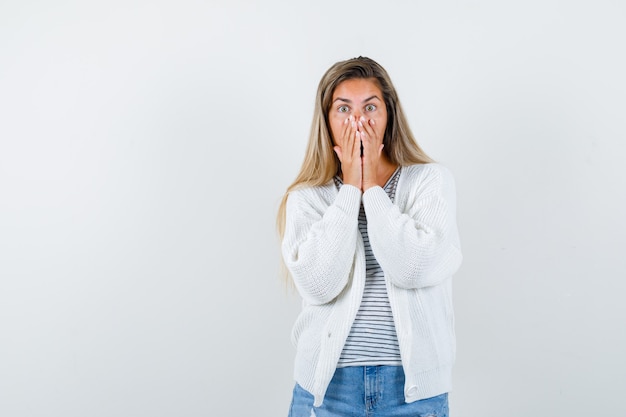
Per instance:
{"type": "Point", "coordinates": [320, 243]}
{"type": "Point", "coordinates": [419, 247]}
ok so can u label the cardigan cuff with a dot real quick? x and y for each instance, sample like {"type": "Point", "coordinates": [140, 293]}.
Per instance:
{"type": "Point", "coordinates": [348, 199]}
{"type": "Point", "coordinates": [376, 201]}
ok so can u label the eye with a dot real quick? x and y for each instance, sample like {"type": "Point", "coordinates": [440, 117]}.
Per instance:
{"type": "Point", "coordinates": [343, 109]}
{"type": "Point", "coordinates": [370, 107]}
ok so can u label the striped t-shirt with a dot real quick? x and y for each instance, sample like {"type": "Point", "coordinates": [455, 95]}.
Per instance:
{"type": "Point", "coordinates": [372, 339]}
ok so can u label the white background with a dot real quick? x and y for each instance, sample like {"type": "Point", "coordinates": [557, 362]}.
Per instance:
{"type": "Point", "coordinates": [145, 145]}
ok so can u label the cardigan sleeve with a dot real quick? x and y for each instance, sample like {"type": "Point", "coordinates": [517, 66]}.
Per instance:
{"type": "Point", "coordinates": [320, 242]}
{"type": "Point", "coordinates": [419, 246]}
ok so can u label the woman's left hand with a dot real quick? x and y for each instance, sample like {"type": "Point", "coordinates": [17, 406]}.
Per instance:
{"type": "Point", "coordinates": [372, 151]}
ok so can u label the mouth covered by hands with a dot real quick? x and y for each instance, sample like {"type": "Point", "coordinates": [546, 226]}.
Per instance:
{"type": "Point", "coordinates": [359, 149]}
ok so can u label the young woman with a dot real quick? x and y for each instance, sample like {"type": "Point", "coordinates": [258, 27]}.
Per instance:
{"type": "Point", "coordinates": [369, 238]}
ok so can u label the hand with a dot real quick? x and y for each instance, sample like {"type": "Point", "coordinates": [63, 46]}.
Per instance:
{"type": "Point", "coordinates": [348, 149]}
{"type": "Point", "coordinates": [372, 152]}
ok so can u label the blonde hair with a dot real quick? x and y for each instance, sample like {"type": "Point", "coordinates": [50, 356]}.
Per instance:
{"type": "Point", "coordinates": [320, 161]}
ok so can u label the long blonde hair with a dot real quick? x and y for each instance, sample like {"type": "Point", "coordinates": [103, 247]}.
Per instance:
{"type": "Point", "coordinates": [320, 161]}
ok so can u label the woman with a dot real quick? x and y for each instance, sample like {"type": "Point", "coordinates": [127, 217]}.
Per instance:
{"type": "Point", "coordinates": [369, 237]}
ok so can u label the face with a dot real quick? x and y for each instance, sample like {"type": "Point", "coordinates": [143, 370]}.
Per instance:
{"type": "Point", "coordinates": [357, 97]}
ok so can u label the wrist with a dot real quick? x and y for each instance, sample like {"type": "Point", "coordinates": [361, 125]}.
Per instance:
{"type": "Point", "coordinates": [352, 180]}
{"type": "Point", "coordinates": [368, 185]}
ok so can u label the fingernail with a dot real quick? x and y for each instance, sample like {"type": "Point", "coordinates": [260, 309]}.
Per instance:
{"type": "Point", "coordinates": [353, 124]}
{"type": "Point", "coordinates": [360, 123]}
{"type": "Point", "coordinates": [345, 122]}
{"type": "Point", "coordinates": [372, 122]}
{"type": "Point", "coordinates": [362, 118]}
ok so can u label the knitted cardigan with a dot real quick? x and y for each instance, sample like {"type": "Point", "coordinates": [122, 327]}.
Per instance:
{"type": "Point", "coordinates": [415, 241]}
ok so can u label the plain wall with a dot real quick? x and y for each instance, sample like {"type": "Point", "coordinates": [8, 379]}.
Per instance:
{"type": "Point", "coordinates": [144, 148]}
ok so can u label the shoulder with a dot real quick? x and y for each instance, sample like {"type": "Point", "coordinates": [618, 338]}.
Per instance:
{"type": "Point", "coordinates": [427, 176]}
{"type": "Point", "coordinates": [426, 182]}
{"type": "Point", "coordinates": [321, 194]}
{"type": "Point", "coordinates": [430, 169]}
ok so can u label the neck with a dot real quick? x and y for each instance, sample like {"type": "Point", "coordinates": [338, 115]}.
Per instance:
{"type": "Point", "coordinates": [385, 170]}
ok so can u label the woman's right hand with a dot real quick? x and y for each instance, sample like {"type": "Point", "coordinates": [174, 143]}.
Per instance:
{"type": "Point", "coordinates": [348, 149]}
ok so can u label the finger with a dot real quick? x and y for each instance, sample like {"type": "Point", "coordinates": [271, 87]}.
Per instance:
{"type": "Point", "coordinates": [380, 139]}
{"type": "Point", "coordinates": [341, 138]}
{"type": "Point", "coordinates": [368, 129]}
{"type": "Point", "coordinates": [343, 141]}
{"type": "Point", "coordinates": [346, 127]}
{"type": "Point", "coordinates": [356, 147]}
{"type": "Point", "coordinates": [368, 135]}
{"type": "Point", "coordinates": [353, 136]}
{"type": "Point", "coordinates": [368, 140]}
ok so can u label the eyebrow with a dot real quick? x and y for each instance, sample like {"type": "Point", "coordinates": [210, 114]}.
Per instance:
{"type": "Point", "coordinates": [350, 101]}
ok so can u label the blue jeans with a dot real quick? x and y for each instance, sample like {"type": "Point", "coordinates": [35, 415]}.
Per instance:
{"type": "Point", "coordinates": [366, 391]}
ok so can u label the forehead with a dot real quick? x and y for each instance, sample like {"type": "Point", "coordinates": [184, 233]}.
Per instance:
{"type": "Point", "coordinates": [358, 88]}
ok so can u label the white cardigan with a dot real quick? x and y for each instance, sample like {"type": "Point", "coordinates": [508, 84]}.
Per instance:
{"type": "Point", "coordinates": [415, 241]}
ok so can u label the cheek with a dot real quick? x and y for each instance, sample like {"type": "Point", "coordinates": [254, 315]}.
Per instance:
{"type": "Point", "coordinates": [335, 128]}
{"type": "Point", "coordinates": [381, 124]}
{"type": "Point", "coordinates": [380, 132]}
